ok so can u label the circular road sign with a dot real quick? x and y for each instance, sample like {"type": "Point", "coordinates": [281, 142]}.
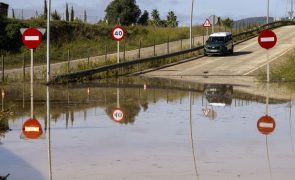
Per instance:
{"type": "Point", "coordinates": [118, 115]}
{"type": "Point", "coordinates": [266, 125]}
{"type": "Point", "coordinates": [32, 129]}
{"type": "Point", "coordinates": [267, 39]}
{"type": "Point", "coordinates": [32, 38]}
{"type": "Point", "coordinates": [118, 33]}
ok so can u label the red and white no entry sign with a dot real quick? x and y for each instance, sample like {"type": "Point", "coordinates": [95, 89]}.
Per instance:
{"type": "Point", "coordinates": [267, 39]}
{"type": "Point", "coordinates": [118, 33]}
{"type": "Point", "coordinates": [32, 38]}
{"type": "Point", "coordinates": [266, 125]}
{"type": "Point", "coordinates": [32, 129]}
{"type": "Point", "coordinates": [118, 115]}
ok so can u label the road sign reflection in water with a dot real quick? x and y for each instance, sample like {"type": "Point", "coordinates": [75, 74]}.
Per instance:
{"type": "Point", "coordinates": [118, 115]}
{"type": "Point", "coordinates": [32, 129]}
{"type": "Point", "coordinates": [266, 125]}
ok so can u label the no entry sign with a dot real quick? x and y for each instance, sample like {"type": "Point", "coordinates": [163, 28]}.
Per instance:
{"type": "Point", "coordinates": [118, 33]}
{"type": "Point", "coordinates": [32, 129]}
{"type": "Point", "coordinates": [118, 115]}
{"type": "Point", "coordinates": [266, 125]}
{"type": "Point", "coordinates": [267, 39]}
{"type": "Point", "coordinates": [32, 38]}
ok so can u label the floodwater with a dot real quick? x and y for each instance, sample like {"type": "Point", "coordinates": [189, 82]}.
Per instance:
{"type": "Point", "coordinates": [169, 130]}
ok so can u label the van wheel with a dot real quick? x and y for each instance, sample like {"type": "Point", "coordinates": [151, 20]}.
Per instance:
{"type": "Point", "coordinates": [232, 51]}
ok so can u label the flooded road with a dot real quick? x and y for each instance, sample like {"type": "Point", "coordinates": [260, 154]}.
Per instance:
{"type": "Point", "coordinates": [167, 130]}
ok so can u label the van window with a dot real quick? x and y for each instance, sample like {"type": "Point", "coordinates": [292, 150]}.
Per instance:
{"type": "Point", "coordinates": [228, 38]}
{"type": "Point", "coordinates": [216, 39]}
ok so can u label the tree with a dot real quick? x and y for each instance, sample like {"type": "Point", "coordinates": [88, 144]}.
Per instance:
{"type": "Point", "coordinates": [72, 14]}
{"type": "Point", "coordinates": [125, 12]}
{"type": "Point", "coordinates": [155, 17]}
{"type": "Point", "coordinates": [85, 16]}
{"type": "Point", "coordinates": [13, 15]}
{"type": "Point", "coordinates": [45, 9]}
{"type": "Point", "coordinates": [172, 19]}
{"type": "Point", "coordinates": [227, 23]}
{"type": "Point", "coordinates": [67, 12]}
{"type": "Point", "coordinates": [55, 16]}
{"type": "Point", "coordinates": [144, 18]}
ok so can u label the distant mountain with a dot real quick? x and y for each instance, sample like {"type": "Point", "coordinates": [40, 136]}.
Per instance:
{"type": "Point", "coordinates": [252, 21]}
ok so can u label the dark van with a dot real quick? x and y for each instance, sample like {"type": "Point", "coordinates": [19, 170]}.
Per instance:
{"type": "Point", "coordinates": [219, 43]}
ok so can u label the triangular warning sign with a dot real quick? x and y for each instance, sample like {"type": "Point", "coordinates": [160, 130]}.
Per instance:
{"type": "Point", "coordinates": [207, 23]}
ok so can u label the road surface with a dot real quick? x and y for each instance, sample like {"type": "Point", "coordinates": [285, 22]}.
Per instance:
{"type": "Point", "coordinates": [248, 57]}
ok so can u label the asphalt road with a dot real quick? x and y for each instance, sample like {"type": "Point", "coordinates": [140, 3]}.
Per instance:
{"type": "Point", "coordinates": [248, 57]}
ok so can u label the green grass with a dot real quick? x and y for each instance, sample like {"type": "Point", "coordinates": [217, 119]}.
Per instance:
{"type": "Point", "coordinates": [283, 72]}
{"type": "Point", "coordinates": [86, 40]}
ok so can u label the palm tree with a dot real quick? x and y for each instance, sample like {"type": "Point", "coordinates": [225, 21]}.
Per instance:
{"type": "Point", "coordinates": [155, 17]}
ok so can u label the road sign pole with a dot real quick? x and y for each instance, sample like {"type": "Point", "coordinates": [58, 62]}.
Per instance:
{"type": "Point", "coordinates": [267, 18]}
{"type": "Point", "coordinates": [32, 81]}
{"type": "Point", "coordinates": [118, 51]}
{"type": "Point", "coordinates": [191, 25]}
{"type": "Point", "coordinates": [118, 97]}
{"type": "Point", "coordinates": [48, 42]}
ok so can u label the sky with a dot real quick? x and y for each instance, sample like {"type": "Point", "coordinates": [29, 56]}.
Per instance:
{"type": "Point", "coordinates": [235, 9]}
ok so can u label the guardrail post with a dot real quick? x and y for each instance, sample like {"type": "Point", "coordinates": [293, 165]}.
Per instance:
{"type": "Point", "coordinates": [2, 68]}
{"type": "Point", "coordinates": [24, 68]}
{"type": "Point", "coordinates": [69, 60]}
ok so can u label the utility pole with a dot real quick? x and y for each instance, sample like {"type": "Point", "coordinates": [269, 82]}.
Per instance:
{"type": "Point", "coordinates": [291, 14]}
{"type": "Point", "coordinates": [191, 25]}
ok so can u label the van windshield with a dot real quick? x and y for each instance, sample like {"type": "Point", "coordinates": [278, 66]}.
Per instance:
{"type": "Point", "coordinates": [216, 39]}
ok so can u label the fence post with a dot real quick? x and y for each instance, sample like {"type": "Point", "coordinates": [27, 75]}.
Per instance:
{"type": "Point", "coordinates": [68, 60]}
{"type": "Point", "coordinates": [124, 55]}
{"type": "Point", "coordinates": [154, 48]}
{"type": "Point", "coordinates": [2, 68]}
{"type": "Point", "coordinates": [24, 67]}
{"type": "Point", "coordinates": [193, 41]}
{"type": "Point", "coordinates": [88, 63]}
{"type": "Point", "coordinates": [168, 51]}
{"type": "Point", "coordinates": [181, 44]}
{"type": "Point", "coordinates": [105, 53]}
{"type": "Point", "coordinates": [139, 49]}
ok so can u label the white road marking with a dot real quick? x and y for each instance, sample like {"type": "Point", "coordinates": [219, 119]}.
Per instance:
{"type": "Point", "coordinates": [32, 38]}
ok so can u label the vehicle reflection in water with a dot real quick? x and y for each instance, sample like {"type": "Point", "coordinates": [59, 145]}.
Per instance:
{"type": "Point", "coordinates": [219, 95]}
{"type": "Point", "coordinates": [82, 137]}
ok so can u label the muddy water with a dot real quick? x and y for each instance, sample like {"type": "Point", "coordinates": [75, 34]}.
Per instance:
{"type": "Point", "coordinates": [169, 131]}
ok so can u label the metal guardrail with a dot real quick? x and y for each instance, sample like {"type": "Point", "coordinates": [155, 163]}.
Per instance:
{"type": "Point", "coordinates": [238, 38]}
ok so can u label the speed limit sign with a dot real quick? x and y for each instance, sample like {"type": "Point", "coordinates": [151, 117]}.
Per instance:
{"type": "Point", "coordinates": [118, 115]}
{"type": "Point", "coordinates": [118, 33]}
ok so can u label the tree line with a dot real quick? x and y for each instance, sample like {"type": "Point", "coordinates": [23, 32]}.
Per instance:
{"type": "Point", "coordinates": [127, 12]}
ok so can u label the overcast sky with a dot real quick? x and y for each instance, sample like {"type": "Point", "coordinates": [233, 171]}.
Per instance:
{"type": "Point", "coordinates": [235, 9]}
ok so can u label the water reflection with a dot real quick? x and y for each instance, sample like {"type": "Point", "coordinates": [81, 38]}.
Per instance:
{"type": "Point", "coordinates": [80, 133]}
